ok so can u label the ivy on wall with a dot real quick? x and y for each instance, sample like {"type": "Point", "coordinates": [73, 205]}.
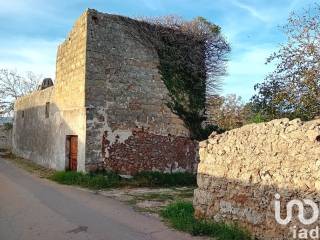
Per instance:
{"type": "Point", "coordinates": [192, 58]}
{"type": "Point", "coordinates": [184, 52]}
{"type": "Point", "coordinates": [186, 84]}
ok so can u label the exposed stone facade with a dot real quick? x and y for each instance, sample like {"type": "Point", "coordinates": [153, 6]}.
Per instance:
{"type": "Point", "coordinates": [147, 151]}
{"type": "Point", "coordinates": [241, 170]}
{"type": "Point", "coordinates": [108, 92]}
{"type": "Point", "coordinates": [125, 95]}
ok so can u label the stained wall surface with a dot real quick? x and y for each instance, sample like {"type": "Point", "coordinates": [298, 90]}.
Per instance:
{"type": "Point", "coordinates": [129, 126]}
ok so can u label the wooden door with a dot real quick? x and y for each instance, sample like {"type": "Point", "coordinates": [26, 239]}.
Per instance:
{"type": "Point", "coordinates": [73, 153]}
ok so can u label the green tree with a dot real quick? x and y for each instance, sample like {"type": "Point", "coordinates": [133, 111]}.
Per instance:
{"type": "Point", "coordinates": [293, 88]}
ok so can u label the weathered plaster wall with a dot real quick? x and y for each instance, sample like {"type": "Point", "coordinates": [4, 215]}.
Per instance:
{"type": "Point", "coordinates": [42, 139]}
{"type": "Point", "coordinates": [5, 137]}
{"type": "Point", "coordinates": [125, 95]}
{"type": "Point", "coordinates": [241, 170]}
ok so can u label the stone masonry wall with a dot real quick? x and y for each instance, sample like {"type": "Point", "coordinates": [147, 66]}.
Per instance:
{"type": "Point", "coordinates": [242, 170]}
{"type": "Point", "coordinates": [148, 152]}
{"type": "Point", "coordinates": [5, 137]}
{"type": "Point", "coordinates": [126, 102]}
{"type": "Point", "coordinates": [108, 92]}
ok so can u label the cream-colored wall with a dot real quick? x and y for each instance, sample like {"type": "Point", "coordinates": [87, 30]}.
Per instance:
{"type": "Point", "coordinates": [42, 139]}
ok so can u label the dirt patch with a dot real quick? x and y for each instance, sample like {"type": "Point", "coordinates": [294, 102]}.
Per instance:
{"type": "Point", "coordinates": [150, 200]}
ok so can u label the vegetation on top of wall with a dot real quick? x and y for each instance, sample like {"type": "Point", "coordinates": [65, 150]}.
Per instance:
{"type": "Point", "coordinates": [189, 68]}
{"type": "Point", "coordinates": [192, 58]}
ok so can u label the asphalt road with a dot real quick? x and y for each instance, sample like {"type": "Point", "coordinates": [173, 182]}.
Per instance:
{"type": "Point", "coordinates": [37, 209]}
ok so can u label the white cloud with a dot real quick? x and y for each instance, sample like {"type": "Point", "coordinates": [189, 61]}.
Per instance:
{"type": "Point", "coordinates": [246, 69]}
{"type": "Point", "coordinates": [251, 61]}
{"type": "Point", "coordinates": [252, 11]}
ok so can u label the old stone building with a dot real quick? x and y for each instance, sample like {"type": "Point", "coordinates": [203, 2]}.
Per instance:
{"type": "Point", "coordinates": [107, 108]}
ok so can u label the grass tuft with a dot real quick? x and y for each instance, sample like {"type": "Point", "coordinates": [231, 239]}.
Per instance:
{"type": "Point", "coordinates": [106, 179]}
{"type": "Point", "coordinates": [92, 181]}
{"type": "Point", "coordinates": [158, 179]}
{"type": "Point", "coordinates": [180, 216]}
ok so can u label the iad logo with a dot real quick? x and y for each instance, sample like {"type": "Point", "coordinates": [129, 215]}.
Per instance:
{"type": "Point", "coordinates": [301, 214]}
{"type": "Point", "coordinates": [301, 233]}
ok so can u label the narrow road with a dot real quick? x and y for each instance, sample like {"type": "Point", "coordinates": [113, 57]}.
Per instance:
{"type": "Point", "coordinates": [37, 209]}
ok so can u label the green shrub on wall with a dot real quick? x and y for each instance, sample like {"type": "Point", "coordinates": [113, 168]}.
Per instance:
{"type": "Point", "coordinates": [8, 126]}
{"type": "Point", "coordinates": [192, 60]}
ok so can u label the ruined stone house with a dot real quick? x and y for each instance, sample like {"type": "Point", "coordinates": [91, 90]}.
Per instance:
{"type": "Point", "coordinates": [107, 108]}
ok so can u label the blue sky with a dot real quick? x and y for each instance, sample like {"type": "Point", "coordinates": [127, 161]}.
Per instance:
{"type": "Point", "coordinates": [31, 30]}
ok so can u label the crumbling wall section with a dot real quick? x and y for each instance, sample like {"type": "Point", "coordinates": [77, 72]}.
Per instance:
{"type": "Point", "coordinates": [241, 171]}
{"type": "Point", "coordinates": [145, 151]}
{"type": "Point", "coordinates": [127, 100]}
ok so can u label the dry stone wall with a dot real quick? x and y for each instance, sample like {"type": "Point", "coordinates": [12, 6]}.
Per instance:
{"type": "Point", "coordinates": [242, 170]}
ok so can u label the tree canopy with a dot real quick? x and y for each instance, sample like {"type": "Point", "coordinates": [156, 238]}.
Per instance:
{"type": "Point", "coordinates": [293, 88]}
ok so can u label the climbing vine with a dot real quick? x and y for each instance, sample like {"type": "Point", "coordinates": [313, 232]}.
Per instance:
{"type": "Point", "coordinates": [192, 58]}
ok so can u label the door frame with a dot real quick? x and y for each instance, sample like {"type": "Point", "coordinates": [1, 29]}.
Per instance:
{"type": "Point", "coordinates": [68, 151]}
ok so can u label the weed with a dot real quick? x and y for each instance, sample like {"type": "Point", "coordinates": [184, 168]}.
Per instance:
{"type": "Point", "coordinates": [180, 216]}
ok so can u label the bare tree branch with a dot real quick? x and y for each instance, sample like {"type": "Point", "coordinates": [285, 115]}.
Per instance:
{"type": "Point", "coordinates": [13, 86]}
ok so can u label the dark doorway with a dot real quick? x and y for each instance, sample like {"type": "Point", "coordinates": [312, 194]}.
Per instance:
{"type": "Point", "coordinates": [72, 151]}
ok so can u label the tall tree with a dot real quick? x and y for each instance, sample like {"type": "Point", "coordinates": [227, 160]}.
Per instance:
{"type": "Point", "coordinates": [293, 89]}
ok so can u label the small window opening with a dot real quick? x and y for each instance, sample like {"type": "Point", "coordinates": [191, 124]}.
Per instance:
{"type": "Point", "coordinates": [47, 109]}
{"type": "Point", "coordinates": [318, 138]}
{"type": "Point", "coordinates": [95, 19]}
{"type": "Point", "coordinates": [22, 114]}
